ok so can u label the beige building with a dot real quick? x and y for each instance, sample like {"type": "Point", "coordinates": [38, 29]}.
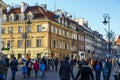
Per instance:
{"type": "Point", "coordinates": [2, 6]}
{"type": "Point", "coordinates": [48, 34]}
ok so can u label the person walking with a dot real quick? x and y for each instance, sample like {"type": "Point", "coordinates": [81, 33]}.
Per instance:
{"type": "Point", "coordinates": [13, 66]}
{"type": "Point", "coordinates": [85, 72]}
{"type": "Point", "coordinates": [98, 68]}
{"type": "Point", "coordinates": [6, 61]}
{"type": "Point", "coordinates": [29, 67]}
{"type": "Point", "coordinates": [56, 64]}
{"type": "Point", "coordinates": [65, 70]}
{"type": "Point", "coordinates": [24, 69]}
{"type": "Point", "coordinates": [115, 70]}
{"type": "Point", "coordinates": [2, 69]}
{"type": "Point", "coordinates": [109, 66]}
{"type": "Point", "coordinates": [105, 72]}
{"type": "Point", "coordinates": [36, 68]}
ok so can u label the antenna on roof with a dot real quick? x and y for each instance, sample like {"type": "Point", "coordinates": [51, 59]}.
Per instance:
{"type": "Point", "coordinates": [54, 6]}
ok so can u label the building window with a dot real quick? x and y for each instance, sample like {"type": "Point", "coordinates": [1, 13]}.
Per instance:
{"type": "Point", "coordinates": [3, 30]}
{"type": "Point", "coordinates": [28, 43]}
{"type": "Point", "coordinates": [56, 30]}
{"type": "Point", "coordinates": [10, 30]}
{"type": "Point", "coordinates": [11, 18]}
{"type": "Point", "coordinates": [29, 17]}
{"type": "Point", "coordinates": [19, 55]}
{"type": "Point", "coordinates": [54, 44]}
{"type": "Point", "coordinates": [39, 28]}
{"type": "Point", "coordinates": [63, 32]}
{"type": "Point", "coordinates": [59, 31]}
{"type": "Point", "coordinates": [52, 28]}
{"type": "Point", "coordinates": [66, 46]}
{"type": "Point", "coordinates": [19, 43]}
{"type": "Point", "coordinates": [4, 18]}
{"type": "Point", "coordinates": [60, 44]}
{"type": "Point", "coordinates": [21, 17]}
{"type": "Point", "coordinates": [38, 43]}
{"type": "Point", "coordinates": [20, 29]}
{"type": "Point", "coordinates": [29, 28]}
{"type": "Point", "coordinates": [3, 44]}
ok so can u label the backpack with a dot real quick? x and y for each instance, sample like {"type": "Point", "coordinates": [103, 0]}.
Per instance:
{"type": "Point", "coordinates": [97, 67]}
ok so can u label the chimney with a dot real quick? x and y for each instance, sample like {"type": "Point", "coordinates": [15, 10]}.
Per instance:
{"type": "Point", "coordinates": [23, 6]}
{"type": "Point", "coordinates": [9, 8]}
{"type": "Point", "coordinates": [58, 12]}
{"type": "Point", "coordinates": [44, 6]}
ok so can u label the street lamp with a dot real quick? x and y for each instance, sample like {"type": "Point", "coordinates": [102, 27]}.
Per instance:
{"type": "Point", "coordinates": [25, 37]}
{"type": "Point", "coordinates": [107, 21]}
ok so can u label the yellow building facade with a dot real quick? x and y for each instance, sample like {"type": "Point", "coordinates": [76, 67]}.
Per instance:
{"type": "Point", "coordinates": [48, 34]}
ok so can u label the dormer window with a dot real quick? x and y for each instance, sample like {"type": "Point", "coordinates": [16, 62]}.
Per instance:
{"type": "Point", "coordinates": [11, 17]}
{"type": "Point", "coordinates": [30, 16]}
{"type": "Point", "coordinates": [21, 16]}
{"type": "Point", "coordinates": [4, 18]}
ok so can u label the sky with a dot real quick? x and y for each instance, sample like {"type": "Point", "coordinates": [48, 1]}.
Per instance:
{"type": "Point", "coordinates": [91, 10]}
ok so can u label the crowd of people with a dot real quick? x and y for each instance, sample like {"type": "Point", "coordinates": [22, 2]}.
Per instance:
{"type": "Point", "coordinates": [88, 69]}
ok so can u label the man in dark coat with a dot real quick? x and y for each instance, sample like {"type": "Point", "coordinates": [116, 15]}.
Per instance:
{"type": "Point", "coordinates": [109, 67]}
{"type": "Point", "coordinates": [13, 66]}
{"type": "Point", "coordinates": [85, 72]}
{"type": "Point", "coordinates": [65, 70]}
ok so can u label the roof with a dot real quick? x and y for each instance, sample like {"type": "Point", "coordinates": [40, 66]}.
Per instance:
{"type": "Point", "coordinates": [37, 11]}
{"type": "Point", "coordinates": [118, 41]}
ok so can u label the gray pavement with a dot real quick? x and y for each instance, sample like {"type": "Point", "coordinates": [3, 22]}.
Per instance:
{"type": "Point", "coordinates": [49, 75]}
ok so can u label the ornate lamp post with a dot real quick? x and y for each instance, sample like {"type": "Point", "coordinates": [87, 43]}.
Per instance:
{"type": "Point", "coordinates": [25, 38]}
{"type": "Point", "coordinates": [107, 21]}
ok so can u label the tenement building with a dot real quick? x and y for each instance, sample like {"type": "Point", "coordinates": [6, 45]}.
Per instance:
{"type": "Point", "coordinates": [34, 31]}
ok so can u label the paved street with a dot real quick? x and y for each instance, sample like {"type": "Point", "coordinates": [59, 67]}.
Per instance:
{"type": "Point", "coordinates": [50, 75]}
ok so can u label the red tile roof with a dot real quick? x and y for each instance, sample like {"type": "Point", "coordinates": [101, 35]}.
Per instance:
{"type": "Point", "coordinates": [118, 41]}
{"type": "Point", "coordinates": [38, 13]}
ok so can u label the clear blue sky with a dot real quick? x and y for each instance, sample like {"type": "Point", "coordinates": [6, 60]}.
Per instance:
{"type": "Point", "coordinates": [91, 10]}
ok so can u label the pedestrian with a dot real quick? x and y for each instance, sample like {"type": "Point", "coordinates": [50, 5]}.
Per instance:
{"type": "Point", "coordinates": [115, 70]}
{"type": "Point", "coordinates": [2, 69]}
{"type": "Point", "coordinates": [42, 69]}
{"type": "Point", "coordinates": [24, 69]}
{"type": "Point", "coordinates": [56, 64]}
{"type": "Point", "coordinates": [13, 66]}
{"type": "Point", "coordinates": [85, 72]}
{"type": "Point", "coordinates": [98, 68]}
{"type": "Point", "coordinates": [6, 59]}
{"type": "Point", "coordinates": [105, 72]}
{"type": "Point", "coordinates": [65, 70]}
{"type": "Point", "coordinates": [52, 64]}
{"type": "Point", "coordinates": [29, 67]}
{"type": "Point", "coordinates": [36, 68]}
{"type": "Point", "coordinates": [109, 66]}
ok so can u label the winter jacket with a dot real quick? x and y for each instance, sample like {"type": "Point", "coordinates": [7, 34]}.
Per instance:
{"type": "Point", "coordinates": [115, 69]}
{"type": "Point", "coordinates": [65, 70]}
{"type": "Point", "coordinates": [36, 66]}
{"type": "Point", "coordinates": [2, 68]}
{"type": "Point", "coordinates": [14, 64]}
{"type": "Point", "coordinates": [85, 72]}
